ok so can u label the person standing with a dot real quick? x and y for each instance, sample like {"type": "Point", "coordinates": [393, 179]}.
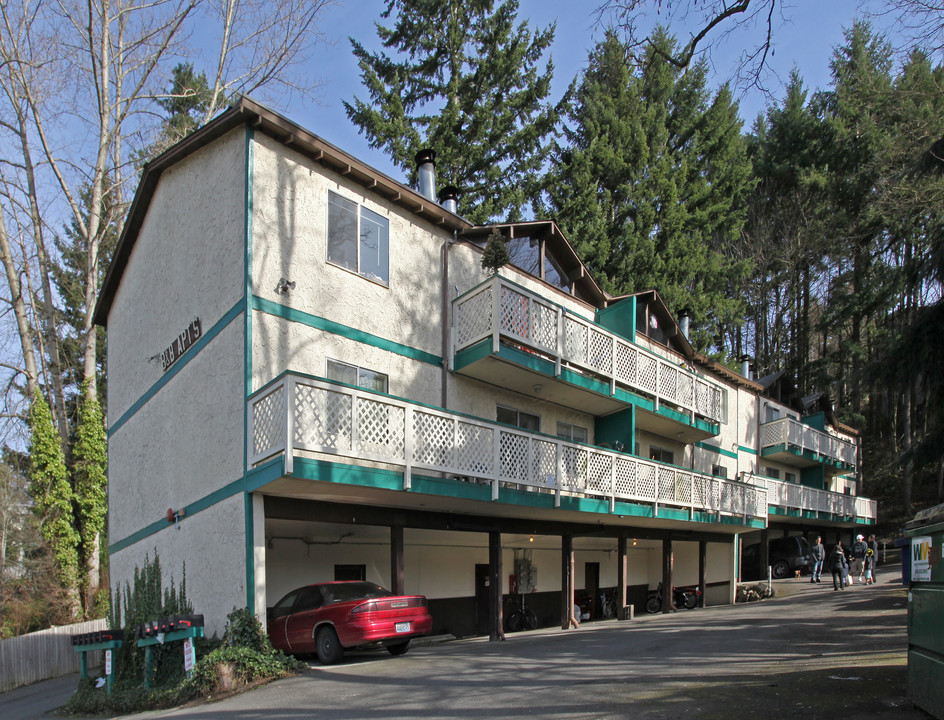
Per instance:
{"type": "Point", "coordinates": [859, 549]}
{"type": "Point", "coordinates": [873, 546]}
{"type": "Point", "coordinates": [819, 555]}
{"type": "Point", "coordinates": [869, 567]}
{"type": "Point", "coordinates": [838, 566]}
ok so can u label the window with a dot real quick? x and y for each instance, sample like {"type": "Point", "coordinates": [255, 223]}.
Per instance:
{"type": "Point", "coordinates": [358, 238]}
{"type": "Point", "coordinates": [350, 572]}
{"type": "Point", "coordinates": [518, 418]}
{"type": "Point", "coordinates": [572, 432]}
{"type": "Point", "coordinates": [353, 375]}
{"type": "Point", "coordinates": [719, 471]}
{"type": "Point", "coordinates": [772, 413]}
{"type": "Point", "coordinates": [772, 473]}
{"type": "Point", "coordinates": [661, 455]}
{"type": "Point", "coordinates": [790, 477]}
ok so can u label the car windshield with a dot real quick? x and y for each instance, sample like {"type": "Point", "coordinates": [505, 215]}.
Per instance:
{"type": "Point", "coordinates": [342, 592]}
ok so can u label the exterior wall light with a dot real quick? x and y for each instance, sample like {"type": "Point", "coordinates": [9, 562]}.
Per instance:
{"type": "Point", "coordinates": [284, 286]}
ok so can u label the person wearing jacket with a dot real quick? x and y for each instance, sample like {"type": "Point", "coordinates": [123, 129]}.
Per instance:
{"type": "Point", "coordinates": [838, 566]}
{"type": "Point", "coordinates": [819, 555]}
{"type": "Point", "coordinates": [859, 549]}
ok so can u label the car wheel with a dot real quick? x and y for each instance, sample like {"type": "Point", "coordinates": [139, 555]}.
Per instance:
{"type": "Point", "coordinates": [780, 569]}
{"type": "Point", "coordinates": [328, 646]}
{"type": "Point", "coordinates": [398, 648]}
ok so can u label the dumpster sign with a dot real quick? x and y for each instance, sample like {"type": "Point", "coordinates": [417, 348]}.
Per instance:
{"type": "Point", "coordinates": [921, 560]}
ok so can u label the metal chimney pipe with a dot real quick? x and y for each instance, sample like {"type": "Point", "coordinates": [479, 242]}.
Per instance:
{"type": "Point", "coordinates": [685, 318]}
{"type": "Point", "coordinates": [426, 170]}
{"type": "Point", "coordinates": [746, 366]}
{"type": "Point", "coordinates": [448, 198]}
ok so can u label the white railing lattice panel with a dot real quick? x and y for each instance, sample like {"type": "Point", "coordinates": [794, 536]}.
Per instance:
{"type": "Point", "coordinates": [358, 424]}
{"type": "Point", "coordinates": [787, 431]}
{"type": "Point", "coordinates": [528, 320]}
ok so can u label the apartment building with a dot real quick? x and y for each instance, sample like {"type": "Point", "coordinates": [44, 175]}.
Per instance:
{"type": "Point", "coordinates": [312, 377]}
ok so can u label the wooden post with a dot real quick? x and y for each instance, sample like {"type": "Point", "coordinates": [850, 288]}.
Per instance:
{"type": "Point", "coordinates": [702, 570]}
{"type": "Point", "coordinates": [621, 578]}
{"type": "Point", "coordinates": [667, 604]}
{"type": "Point", "coordinates": [396, 560]}
{"type": "Point", "coordinates": [495, 620]}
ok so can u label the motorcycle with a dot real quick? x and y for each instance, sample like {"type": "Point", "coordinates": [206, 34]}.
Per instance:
{"type": "Point", "coordinates": [681, 597]}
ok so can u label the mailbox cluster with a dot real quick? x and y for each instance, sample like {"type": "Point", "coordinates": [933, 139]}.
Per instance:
{"type": "Point", "coordinates": [167, 625]}
{"type": "Point", "coordinates": [100, 636]}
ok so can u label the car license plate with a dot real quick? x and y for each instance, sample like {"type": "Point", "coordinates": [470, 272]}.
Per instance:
{"type": "Point", "coordinates": [403, 627]}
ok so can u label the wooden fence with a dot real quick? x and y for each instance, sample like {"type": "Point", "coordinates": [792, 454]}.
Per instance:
{"type": "Point", "coordinates": [45, 654]}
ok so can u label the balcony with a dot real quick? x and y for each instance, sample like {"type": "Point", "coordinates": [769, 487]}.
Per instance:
{"type": "Point", "coordinates": [805, 446]}
{"type": "Point", "coordinates": [322, 417]}
{"type": "Point", "coordinates": [800, 497]}
{"type": "Point", "coordinates": [509, 336]}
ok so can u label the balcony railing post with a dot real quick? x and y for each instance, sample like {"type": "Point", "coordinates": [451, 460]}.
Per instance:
{"type": "Point", "coordinates": [559, 460]}
{"type": "Point", "coordinates": [613, 366]}
{"type": "Point", "coordinates": [496, 313]}
{"type": "Point", "coordinates": [408, 448]}
{"type": "Point", "coordinates": [496, 461]}
{"type": "Point", "coordinates": [288, 396]}
{"type": "Point", "coordinates": [559, 342]}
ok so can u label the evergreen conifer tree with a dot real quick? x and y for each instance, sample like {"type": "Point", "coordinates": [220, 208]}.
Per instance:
{"type": "Point", "coordinates": [53, 495]}
{"type": "Point", "coordinates": [651, 186]}
{"type": "Point", "coordinates": [464, 78]}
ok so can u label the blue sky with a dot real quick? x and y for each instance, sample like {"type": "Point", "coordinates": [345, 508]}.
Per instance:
{"type": "Point", "coordinates": [805, 36]}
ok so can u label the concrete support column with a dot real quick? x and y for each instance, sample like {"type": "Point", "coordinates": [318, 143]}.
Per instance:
{"type": "Point", "coordinates": [621, 578]}
{"type": "Point", "coordinates": [567, 581]}
{"type": "Point", "coordinates": [763, 553]}
{"type": "Point", "coordinates": [396, 560]}
{"type": "Point", "coordinates": [495, 620]}
{"type": "Point", "coordinates": [702, 570]}
{"type": "Point", "coordinates": [667, 604]}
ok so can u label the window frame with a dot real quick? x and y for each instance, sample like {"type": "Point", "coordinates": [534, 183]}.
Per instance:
{"type": "Point", "coordinates": [362, 214]}
{"type": "Point", "coordinates": [358, 370]}
{"type": "Point", "coordinates": [518, 413]}
{"type": "Point", "coordinates": [565, 431]}
{"type": "Point", "coordinates": [662, 452]}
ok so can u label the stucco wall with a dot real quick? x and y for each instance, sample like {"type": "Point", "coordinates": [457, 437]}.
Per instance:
{"type": "Point", "coordinates": [290, 218]}
{"type": "Point", "coordinates": [184, 443]}
{"type": "Point", "coordinates": [210, 546]}
{"type": "Point", "coordinates": [187, 262]}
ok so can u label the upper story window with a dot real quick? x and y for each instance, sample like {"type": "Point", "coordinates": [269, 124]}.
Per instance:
{"type": "Point", "coordinates": [358, 239]}
{"type": "Point", "coordinates": [571, 432]}
{"type": "Point", "coordinates": [518, 418]}
{"type": "Point", "coordinates": [790, 477]}
{"type": "Point", "coordinates": [772, 473]}
{"type": "Point", "coordinates": [353, 375]}
{"type": "Point", "coordinates": [719, 471]}
{"type": "Point", "coordinates": [661, 455]}
{"type": "Point", "coordinates": [773, 413]}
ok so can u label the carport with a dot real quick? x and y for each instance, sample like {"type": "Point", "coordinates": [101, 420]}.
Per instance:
{"type": "Point", "coordinates": [463, 563]}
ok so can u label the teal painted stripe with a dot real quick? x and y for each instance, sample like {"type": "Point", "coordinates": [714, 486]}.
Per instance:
{"type": "Point", "coordinates": [257, 478]}
{"type": "Point", "coordinates": [247, 363]}
{"type": "Point", "coordinates": [191, 353]}
{"type": "Point", "coordinates": [716, 449]}
{"type": "Point", "coordinates": [320, 323]}
{"type": "Point", "coordinates": [752, 451]}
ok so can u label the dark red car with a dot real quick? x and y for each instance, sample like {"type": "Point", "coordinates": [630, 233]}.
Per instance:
{"type": "Point", "coordinates": [328, 617]}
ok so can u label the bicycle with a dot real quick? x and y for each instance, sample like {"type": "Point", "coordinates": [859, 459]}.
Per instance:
{"type": "Point", "coordinates": [608, 604]}
{"type": "Point", "coordinates": [521, 616]}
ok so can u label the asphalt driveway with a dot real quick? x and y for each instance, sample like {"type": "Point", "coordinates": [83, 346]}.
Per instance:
{"type": "Point", "coordinates": [808, 653]}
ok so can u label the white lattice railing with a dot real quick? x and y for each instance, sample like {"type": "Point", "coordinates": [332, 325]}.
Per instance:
{"type": "Point", "coordinates": [787, 431]}
{"type": "Point", "coordinates": [498, 308]}
{"type": "Point", "coordinates": [801, 497]}
{"type": "Point", "coordinates": [323, 417]}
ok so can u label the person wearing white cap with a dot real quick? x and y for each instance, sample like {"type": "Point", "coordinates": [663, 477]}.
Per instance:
{"type": "Point", "coordinates": [859, 549]}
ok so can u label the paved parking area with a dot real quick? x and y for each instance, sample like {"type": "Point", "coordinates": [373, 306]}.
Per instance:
{"type": "Point", "coordinates": [808, 653]}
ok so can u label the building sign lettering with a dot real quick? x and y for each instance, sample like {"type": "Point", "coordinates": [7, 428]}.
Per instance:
{"type": "Point", "coordinates": [181, 344]}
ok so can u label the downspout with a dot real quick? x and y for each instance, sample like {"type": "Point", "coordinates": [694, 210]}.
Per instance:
{"type": "Point", "coordinates": [444, 392]}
